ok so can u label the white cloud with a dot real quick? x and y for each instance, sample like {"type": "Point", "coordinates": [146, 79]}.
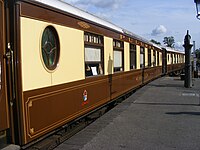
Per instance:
{"type": "Point", "coordinates": [105, 16]}
{"type": "Point", "coordinates": [159, 30]}
{"type": "Point", "coordinates": [179, 45]}
{"type": "Point", "coordinates": [108, 4]}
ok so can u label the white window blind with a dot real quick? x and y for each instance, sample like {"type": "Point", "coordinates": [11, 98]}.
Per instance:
{"type": "Point", "coordinates": [92, 54]}
{"type": "Point", "coordinates": [142, 59]}
{"type": "Point", "coordinates": [117, 58]}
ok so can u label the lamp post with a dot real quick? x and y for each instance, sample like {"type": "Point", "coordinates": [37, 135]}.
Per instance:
{"type": "Point", "coordinates": [197, 2]}
{"type": "Point", "coordinates": [198, 8]}
{"type": "Point", "coordinates": [188, 65]}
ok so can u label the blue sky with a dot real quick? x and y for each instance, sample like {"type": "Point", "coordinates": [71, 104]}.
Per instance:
{"type": "Point", "coordinates": [153, 19]}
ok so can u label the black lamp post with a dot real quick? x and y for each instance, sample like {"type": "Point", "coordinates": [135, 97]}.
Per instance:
{"type": "Point", "coordinates": [198, 8]}
{"type": "Point", "coordinates": [188, 65]}
{"type": "Point", "coordinates": [197, 2]}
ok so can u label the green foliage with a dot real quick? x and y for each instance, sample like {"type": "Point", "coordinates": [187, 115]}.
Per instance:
{"type": "Point", "coordinates": [155, 42]}
{"type": "Point", "coordinates": [197, 52]}
{"type": "Point", "coordinates": [169, 41]}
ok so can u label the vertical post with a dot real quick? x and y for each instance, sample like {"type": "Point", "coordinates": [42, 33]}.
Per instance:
{"type": "Point", "coordinates": [194, 56]}
{"type": "Point", "coordinates": [188, 66]}
{"type": "Point", "coordinates": [195, 61]}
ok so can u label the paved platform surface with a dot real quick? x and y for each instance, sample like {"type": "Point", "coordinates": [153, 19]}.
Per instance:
{"type": "Point", "coordinates": [11, 147]}
{"type": "Point", "coordinates": [163, 115]}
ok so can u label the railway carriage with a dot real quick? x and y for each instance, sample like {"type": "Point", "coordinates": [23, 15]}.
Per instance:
{"type": "Point", "coordinates": [59, 63]}
{"type": "Point", "coordinates": [174, 60]}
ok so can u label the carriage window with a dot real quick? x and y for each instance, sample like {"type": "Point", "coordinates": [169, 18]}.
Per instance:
{"type": "Point", "coordinates": [154, 58]}
{"type": "Point", "coordinates": [177, 58]}
{"type": "Point", "coordinates": [93, 54]}
{"type": "Point", "coordinates": [50, 48]}
{"type": "Point", "coordinates": [93, 38]}
{"type": "Point", "coordinates": [118, 61]}
{"type": "Point", "coordinates": [142, 57]}
{"type": "Point", "coordinates": [174, 59]}
{"type": "Point", "coordinates": [171, 59]}
{"type": "Point", "coordinates": [158, 58]}
{"type": "Point", "coordinates": [132, 56]}
{"type": "Point", "coordinates": [168, 57]}
{"type": "Point", "coordinates": [149, 57]}
{"type": "Point", "coordinates": [118, 47]}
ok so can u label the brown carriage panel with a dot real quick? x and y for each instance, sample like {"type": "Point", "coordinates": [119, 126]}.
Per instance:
{"type": "Point", "coordinates": [116, 85]}
{"type": "Point", "coordinates": [175, 67]}
{"type": "Point", "coordinates": [4, 119]}
{"type": "Point", "coordinates": [19, 93]}
{"type": "Point", "coordinates": [169, 68]}
{"type": "Point", "coordinates": [182, 65]}
{"type": "Point", "coordinates": [158, 71]}
{"type": "Point", "coordinates": [132, 80]}
{"type": "Point", "coordinates": [49, 108]}
{"type": "Point", "coordinates": [178, 67]}
{"type": "Point", "coordinates": [149, 74]}
{"type": "Point", "coordinates": [125, 81]}
{"type": "Point", "coordinates": [152, 73]}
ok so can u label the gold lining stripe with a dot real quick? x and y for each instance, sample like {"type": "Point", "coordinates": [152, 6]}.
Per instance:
{"type": "Point", "coordinates": [65, 120]}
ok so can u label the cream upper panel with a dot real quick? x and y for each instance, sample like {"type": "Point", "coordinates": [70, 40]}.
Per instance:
{"type": "Point", "coordinates": [152, 58]}
{"type": "Point", "coordinates": [146, 57]}
{"type": "Point", "coordinates": [126, 56]}
{"type": "Point", "coordinates": [33, 73]}
{"type": "Point", "coordinates": [168, 59]}
{"type": "Point", "coordinates": [71, 62]}
{"type": "Point", "coordinates": [160, 54]}
{"type": "Point", "coordinates": [156, 58]}
{"type": "Point", "coordinates": [138, 56]}
{"type": "Point", "coordinates": [108, 55]}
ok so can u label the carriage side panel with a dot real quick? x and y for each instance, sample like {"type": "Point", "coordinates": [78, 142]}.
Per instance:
{"type": "Point", "coordinates": [4, 116]}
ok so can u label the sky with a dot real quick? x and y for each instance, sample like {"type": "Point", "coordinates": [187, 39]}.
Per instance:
{"type": "Point", "coordinates": [153, 19]}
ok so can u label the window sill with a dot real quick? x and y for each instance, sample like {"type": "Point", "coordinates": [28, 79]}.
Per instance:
{"type": "Point", "coordinates": [86, 77]}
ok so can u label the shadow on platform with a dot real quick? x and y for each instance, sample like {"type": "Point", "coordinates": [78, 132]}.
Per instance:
{"type": "Point", "coordinates": [167, 104]}
{"type": "Point", "coordinates": [183, 113]}
{"type": "Point", "coordinates": [166, 85]}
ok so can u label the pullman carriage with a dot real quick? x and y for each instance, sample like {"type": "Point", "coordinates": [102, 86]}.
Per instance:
{"type": "Point", "coordinates": [174, 60]}
{"type": "Point", "coordinates": [59, 63]}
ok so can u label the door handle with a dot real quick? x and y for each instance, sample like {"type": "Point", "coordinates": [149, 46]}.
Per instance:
{"type": "Point", "coordinates": [9, 56]}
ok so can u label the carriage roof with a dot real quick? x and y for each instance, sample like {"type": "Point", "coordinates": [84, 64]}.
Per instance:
{"type": "Point", "coordinates": [169, 49]}
{"type": "Point", "coordinates": [62, 5]}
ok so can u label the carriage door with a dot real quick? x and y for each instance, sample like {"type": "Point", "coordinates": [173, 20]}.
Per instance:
{"type": "Point", "coordinates": [164, 61]}
{"type": "Point", "coordinates": [4, 124]}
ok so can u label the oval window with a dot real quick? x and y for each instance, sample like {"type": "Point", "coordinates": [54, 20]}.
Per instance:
{"type": "Point", "coordinates": [50, 48]}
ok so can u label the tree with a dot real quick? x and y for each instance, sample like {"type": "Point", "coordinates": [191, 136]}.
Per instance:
{"type": "Point", "coordinates": [197, 52]}
{"type": "Point", "coordinates": [169, 41]}
{"type": "Point", "coordinates": [155, 42]}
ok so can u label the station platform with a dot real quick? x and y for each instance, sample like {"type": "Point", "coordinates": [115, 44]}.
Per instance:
{"type": "Point", "coordinates": [162, 115]}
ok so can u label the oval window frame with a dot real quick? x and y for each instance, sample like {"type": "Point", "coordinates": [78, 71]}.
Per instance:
{"type": "Point", "coordinates": [52, 67]}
